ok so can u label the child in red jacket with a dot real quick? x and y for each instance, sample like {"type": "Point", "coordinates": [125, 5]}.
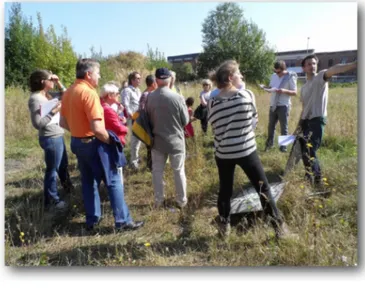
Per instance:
{"type": "Point", "coordinates": [188, 129]}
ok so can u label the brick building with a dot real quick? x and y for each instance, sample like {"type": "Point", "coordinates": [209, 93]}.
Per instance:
{"type": "Point", "coordinates": [191, 58]}
{"type": "Point", "coordinates": [293, 61]}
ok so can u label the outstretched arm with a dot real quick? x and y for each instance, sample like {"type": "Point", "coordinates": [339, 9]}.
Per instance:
{"type": "Point", "coordinates": [340, 68]}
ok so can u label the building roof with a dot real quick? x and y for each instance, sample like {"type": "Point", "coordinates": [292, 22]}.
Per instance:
{"type": "Point", "coordinates": [183, 57]}
{"type": "Point", "coordinates": [305, 51]}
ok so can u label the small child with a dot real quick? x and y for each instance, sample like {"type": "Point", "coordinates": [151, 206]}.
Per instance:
{"type": "Point", "coordinates": [188, 129]}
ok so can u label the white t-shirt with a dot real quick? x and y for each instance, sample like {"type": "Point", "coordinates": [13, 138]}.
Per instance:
{"type": "Point", "coordinates": [130, 99]}
{"type": "Point", "coordinates": [205, 95]}
{"type": "Point", "coordinates": [283, 99]}
{"type": "Point", "coordinates": [314, 96]}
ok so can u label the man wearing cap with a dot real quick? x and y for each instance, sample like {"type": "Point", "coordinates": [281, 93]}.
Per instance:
{"type": "Point", "coordinates": [168, 115]}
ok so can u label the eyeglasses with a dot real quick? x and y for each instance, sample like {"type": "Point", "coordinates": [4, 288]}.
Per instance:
{"type": "Point", "coordinates": [205, 84]}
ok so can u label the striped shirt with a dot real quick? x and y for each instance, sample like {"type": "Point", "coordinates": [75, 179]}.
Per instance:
{"type": "Point", "coordinates": [231, 120]}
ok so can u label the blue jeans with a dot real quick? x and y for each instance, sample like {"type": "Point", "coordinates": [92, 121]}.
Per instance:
{"type": "Point", "coordinates": [86, 154]}
{"type": "Point", "coordinates": [280, 114]}
{"type": "Point", "coordinates": [55, 156]}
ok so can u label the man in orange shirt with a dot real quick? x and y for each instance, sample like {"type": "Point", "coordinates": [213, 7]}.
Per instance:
{"type": "Point", "coordinates": [83, 115]}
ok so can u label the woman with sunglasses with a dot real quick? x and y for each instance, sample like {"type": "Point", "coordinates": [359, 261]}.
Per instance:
{"type": "Point", "coordinates": [50, 136]}
{"type": "Point", "coordinates": [204, 98]}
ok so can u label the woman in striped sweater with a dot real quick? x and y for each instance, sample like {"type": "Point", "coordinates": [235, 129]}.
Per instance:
{"type": "Point", "coordinates": [231, 113]}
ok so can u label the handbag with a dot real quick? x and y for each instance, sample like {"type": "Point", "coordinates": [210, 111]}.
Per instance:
{"type": "Point", "coordinates": [200, 112]}
{"type": "Point", "coordinates": [141, 127]}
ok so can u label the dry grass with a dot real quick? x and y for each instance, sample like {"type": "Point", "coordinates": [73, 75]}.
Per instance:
{"type": "Point", "coordinates": [327, 227]}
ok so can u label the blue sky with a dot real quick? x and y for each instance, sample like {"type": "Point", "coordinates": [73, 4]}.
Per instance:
{"type": "Point", "coordinates": [175, 27]}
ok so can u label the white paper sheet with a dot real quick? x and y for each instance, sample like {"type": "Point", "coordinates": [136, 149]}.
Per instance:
{"type": "Point", "coordinates": [285, 140]}
{"type": "Point", "coordinates": [47, 107]}
{"type": "Point", "coordinates": [272, 89]}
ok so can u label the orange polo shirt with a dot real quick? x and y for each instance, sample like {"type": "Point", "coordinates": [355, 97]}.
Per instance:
{"type": "Point", "coordinates": [80, 105]}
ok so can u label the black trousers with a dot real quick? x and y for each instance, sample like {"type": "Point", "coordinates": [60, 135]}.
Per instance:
{"type": "Point", "coordinates": [313, 131]}
{"type": "Point", "coordinates": [252, 167]}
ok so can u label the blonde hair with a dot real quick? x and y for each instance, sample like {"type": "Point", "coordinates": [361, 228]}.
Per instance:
{"type": "Point", "coordinates": [221, 75]}
{"type": "Point", "coordinates": [107, 88]}
{"type": "Point", "coordinates": [207, 81]}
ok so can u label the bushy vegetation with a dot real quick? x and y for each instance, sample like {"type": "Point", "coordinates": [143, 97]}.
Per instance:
{"type": "Point", "coordinates": [327, 228]}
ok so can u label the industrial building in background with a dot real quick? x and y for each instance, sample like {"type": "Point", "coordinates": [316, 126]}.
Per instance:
{"type": "Point", "coordinates": [293, 61]}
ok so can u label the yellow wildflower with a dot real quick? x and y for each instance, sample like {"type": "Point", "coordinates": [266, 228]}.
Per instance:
{"type": "Point", "coordinates": [147, 244]}
{"type": "Point", "coordinates": [309, 145]}
{"type": "Point", "coordinates": [324, 179]}
{"type": "Point", "coordinates": [301, 186]}
{"type": "Point", "coordinates": [22, 234]}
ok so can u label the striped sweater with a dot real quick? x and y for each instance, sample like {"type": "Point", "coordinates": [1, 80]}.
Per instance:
{"type": "Point", "coordinates": [231, 120]}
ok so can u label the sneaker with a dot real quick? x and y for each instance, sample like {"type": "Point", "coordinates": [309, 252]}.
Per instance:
{"type": "Point", "coordinates": [268, 147]}
{"type": "Point", "coordinates": [283, 232]}
{"type": "Point", "coordinates": [91, 227]}
{"type": "Point", "coordinates": [60, 206]}
{"type": "Point", "coordinates": [134, 167]}
{"type": "Point", "coordinates": [181, 205]}
{"type": "Point", "coordinates": [224, 228]}
{"type": "Point", "coordinates": [283, 149]}
{"type": "Point", "coordinates": [130, 227]}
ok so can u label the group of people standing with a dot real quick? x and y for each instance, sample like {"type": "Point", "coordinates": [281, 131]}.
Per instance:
{"type": "Point", "coordinates": [99, 125]}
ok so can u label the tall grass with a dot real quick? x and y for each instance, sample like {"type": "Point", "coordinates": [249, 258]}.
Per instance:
{"type": "Point", "coordinates": [327, 227]}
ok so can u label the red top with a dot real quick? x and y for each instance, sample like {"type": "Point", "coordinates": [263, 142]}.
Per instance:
{"type": "Point", "coordinates": [188, 129]}
{"type": "Point", "coordinates": [113, 123]}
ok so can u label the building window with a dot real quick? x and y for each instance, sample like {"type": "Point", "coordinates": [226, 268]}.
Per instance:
{"type": "Point", "coordinates": [343, 60]}
{"type": "Point", "coordinates": [330, 62]}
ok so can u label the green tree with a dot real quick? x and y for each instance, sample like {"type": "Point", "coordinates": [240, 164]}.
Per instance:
{"type": "Point", "coordinates": [28, 48]}
{"type": "Point", "coordinates": [156, 59]}
{"type": "Point", "coordinates": [184, 71]}
{"type": "Point", "coordinates": [19, 46]}
{"type": "Point", "coordinates": [55, 53]}
{"type": "Point", "coordinates": [228, 35]}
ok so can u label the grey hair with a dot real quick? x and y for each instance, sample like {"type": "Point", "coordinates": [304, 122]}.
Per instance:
{"type": "Point", "coordinates": [108, 88]}
{"type": "Point", "coordinates": [163, 82]}
{"type": "Point", "coordinates": [84, 65]}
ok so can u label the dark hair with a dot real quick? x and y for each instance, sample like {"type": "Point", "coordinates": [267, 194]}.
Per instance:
{"type": "Point", "coordinates": [84, 65]}
{"type": "Point", "coordinates": [132, 76]}
{"type": "Point", "coordinates": [280, 65]}
{"type": "Point", "coordinates": [150, 79]}
{"type": "Point", "coordinates": [189, 101]}
{"type": "Point", "coordinates": [309, 57]}
{"type": "Point", "coordinates": [221, 75]}
{"type": "Point", "coordinates": [35, 79]}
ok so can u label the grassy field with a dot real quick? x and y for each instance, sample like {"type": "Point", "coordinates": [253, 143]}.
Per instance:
{"type": "Point", "coordinates": [327, 228]}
